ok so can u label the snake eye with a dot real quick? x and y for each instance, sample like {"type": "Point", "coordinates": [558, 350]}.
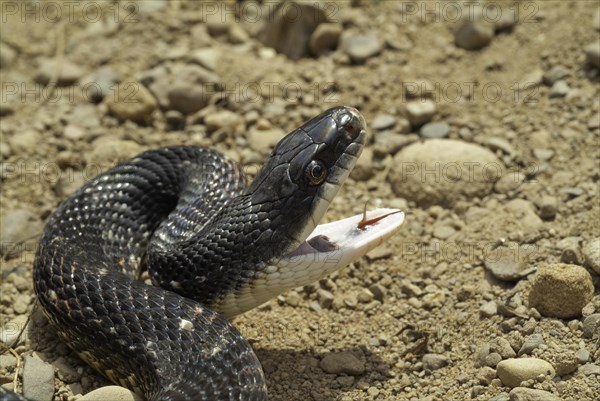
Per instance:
{"type": "Point", "coordinates": [316, 172]}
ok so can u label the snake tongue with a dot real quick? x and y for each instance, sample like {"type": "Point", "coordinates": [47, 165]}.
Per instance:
{"type": "Point", "coordinates": [334, 245]}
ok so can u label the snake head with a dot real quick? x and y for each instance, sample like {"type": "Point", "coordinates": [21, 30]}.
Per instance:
{"type": "Point", "coordinates": [305, 171]}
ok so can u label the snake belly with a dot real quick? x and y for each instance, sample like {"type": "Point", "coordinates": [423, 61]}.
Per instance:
{"type": "Point", "coordinates": [214, 247]}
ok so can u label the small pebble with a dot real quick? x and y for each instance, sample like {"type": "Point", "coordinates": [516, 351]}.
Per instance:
{"type": "Point", "coordinates": [559, 89]}
{"type": "Point", "coordinates": [342, 362]}
{"type": "Point", "coordinates": [378, 291]}
{"type": "Point", "coordinates": [592, 54]}
{"type": "Point", "coordinates": [565, 363]}
{"type": "Point", "coordinates": [221, 119]}
{"type": "Point", "coordinates": [383, 121]}
{"type": "Point", "coordinates": [443, 231]}
{"type": "Point", "coordinates": [500, 397]}
{"type": "Point", "coordinates": [530, 394]}
{"type": "Point", "coordinates": [591, 326]}
{"type": "Point", "coordinates": [504, 348]}
{"type": "Point", "coordinates": [514, 371]}
{"type": "Point", "coordinates": [361, 47]}
{"type": "Point", "coordinates": [543, 154]}
{"type": "Point", "coordinates": [485, 375]}
{"type": "Point", "coordinates": [434, 361]}
{"type": "Point", "coordinates": [508, 263]}
{"type": "Point", "coordinates": [561, 290]}
{"type": "Point", "coordinates": [420, 112]}
{"type": "Point", "coordinates": [488, 309]}
{"type": "Point", "coordinates": [435, 130]}
{"type": "Point", "coordinates": [555, 74]}
{"type": "Point", "coordinates": [132, 101]}
{"type": "Point", "coordinates": [548, 207]}
{"type": "Point", "coordinates": [325, 298]}
{"type": "Point", "coordinates": [531, 342]}
{"type": "Point", "coordinates": [582, 355]}
{"type": "Point", "coordinates": [68, 73]}
{"type": "Point", "coordinates": [492, 360]}
{"type": "Point", "coordinates": [293, 298]}
{"type": "Point", "coordinates": [473, 34]}
{"type": "Point", "coordinates": [590, 369]}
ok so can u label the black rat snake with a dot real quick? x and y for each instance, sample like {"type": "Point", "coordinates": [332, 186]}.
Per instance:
{"type": "Point", "coordinates": [213, 247]}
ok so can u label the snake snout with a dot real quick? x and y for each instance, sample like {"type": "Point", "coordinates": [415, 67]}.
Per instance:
{"type": "Point", "coordinates": [350, 122]}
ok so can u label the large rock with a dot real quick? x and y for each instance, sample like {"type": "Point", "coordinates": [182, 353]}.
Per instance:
{"type": "Point", "coordinates": [442, 171]}
{"type": "Point", "coordinates": [561, 290]}
{"type": "Point", "coordinates": [516, 370]}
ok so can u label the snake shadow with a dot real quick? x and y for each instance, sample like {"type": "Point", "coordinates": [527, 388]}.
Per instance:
{"type": "Point", "coordinates": [294, 375]}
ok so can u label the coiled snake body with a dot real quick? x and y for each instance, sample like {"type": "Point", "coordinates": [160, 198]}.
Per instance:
{"type": "Point", "coordinates": [213, 247]}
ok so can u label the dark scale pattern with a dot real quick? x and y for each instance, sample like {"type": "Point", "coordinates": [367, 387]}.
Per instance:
{"type": "Point", "coordinates": [186, 212]}
{"type": "Point", "coordinates": [130, 332]}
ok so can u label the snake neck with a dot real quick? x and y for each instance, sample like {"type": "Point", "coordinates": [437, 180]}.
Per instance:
{"type": "Point", "coordinates": [226, 252]}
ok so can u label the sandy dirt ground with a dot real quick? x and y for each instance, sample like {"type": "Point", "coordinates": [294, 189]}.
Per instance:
{"type": "Point", "coordinates": [438, 312]}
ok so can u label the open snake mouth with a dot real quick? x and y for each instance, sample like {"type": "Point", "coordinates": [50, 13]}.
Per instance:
{"type": "Point", "coordinates": [336, 244]}
{"type": "Point", "coordinates": [328, 248]}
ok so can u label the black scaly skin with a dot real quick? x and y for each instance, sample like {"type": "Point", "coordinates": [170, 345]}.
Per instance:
{"type": "Point", "coordinates": [186, 211]}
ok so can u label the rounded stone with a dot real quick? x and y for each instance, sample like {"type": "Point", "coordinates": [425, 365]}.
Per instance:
{"type": "Point", "coordinates": [361, 47]}
{"type": "Point", "coordinates": [114, 393]}
{"type": "Point", "coordinates": [342, 362]}
{"type": "Point", "coordinates": [561, 290]}
{"type": "Point", "coordinates": [443, 171]}
{"type": "Point", "coordinates": [474, 34]}
{"type": "Point", "coordinates": [132, 101]}
{"type": "Point", "coordinates": [516, 370]}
